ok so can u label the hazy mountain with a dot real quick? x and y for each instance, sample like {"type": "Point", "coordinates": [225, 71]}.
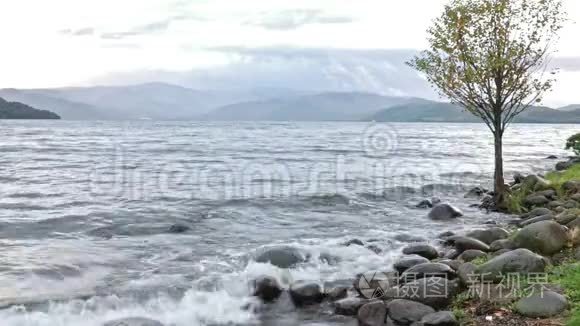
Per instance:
{"type": "Point", "coordinates": [330, 106]}
{"type": "Point", "coordinates": [15, 110]}
{"type": "Point", "coordinates": [571, 107]}
{"type": "Point", "coordinates": [66, 109]}
{"type": "Point", "coordinates": [430, 111]}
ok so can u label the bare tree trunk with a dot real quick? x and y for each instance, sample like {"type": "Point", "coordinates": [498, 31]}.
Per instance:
{"type": "Point", "coordinates": [499, 185]}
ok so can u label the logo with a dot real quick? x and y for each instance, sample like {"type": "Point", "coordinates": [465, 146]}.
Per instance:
{"type": "Point", "coordinates": [373, 285]}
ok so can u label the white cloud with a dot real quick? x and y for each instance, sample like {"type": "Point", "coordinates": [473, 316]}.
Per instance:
{"type": "Point", "coordinates": [64, 42]}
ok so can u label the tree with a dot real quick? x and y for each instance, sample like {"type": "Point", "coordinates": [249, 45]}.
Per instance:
{"type": "Point", "coordinates": [491, 57]}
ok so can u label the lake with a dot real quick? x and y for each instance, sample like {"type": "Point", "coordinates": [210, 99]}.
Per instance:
{"type": "Point", "coordinates": [101, 220]}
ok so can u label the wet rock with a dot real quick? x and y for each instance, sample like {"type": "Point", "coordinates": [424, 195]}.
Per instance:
{"type": "Point", "coordinates": [487, 203]}
{"type": "Point", "coordinates": [535, 200]}
{"type": "Point", "coordinates": [518, 178]}
{"type": "Point", "coordinates": [407, 262]}
{"type": "Point", "coordinates": [554, 204]}
{"type": "Point", "coordinates": [548, 193]}
{"type": "Point", "coordinates": [423, 250]}
{"type": "Point", "coordinates": [446, 234]}
{"type": "Point", "coordinates": [306, 293]}
{"type": "Point", "coordinates": [282, 256]}
{"type": "Point", "coordinates": [546, 237]}
{"type": "Point", "coordinates": [435, 292]}
{"type": "Point", "coordinates": [444, 212]}
{"type": "Point", "coordinates": [348, 306]}
{"type": "Point", "coordinates": [466, 274]}
{"type": "Point", "coordinates": [178, 228]}
{"type": "Point", "coordinates": [425, 203]}
{"type": "Point", "coordinates": [542, 305]}
{"type": "Point", "coordinates": [490, 235]}
{"type": "Point", "coordinates": [536, 219]}
{"type": "Point", "coordinates": [470, 255]}
{"type": "Point", "coordinates": [452, 254]}
{"type": "Point", "coordinates": [336, 290]}
{"type": "Point", "coordinates": [552, 157]}
{"type": "Point", "coordinates": [427, 270]}
{"type": "Point", "coordinates": [372, 314]}
{"type": "Point", "coordinates": [441, 318]}
{"type": "Point", "coordinates": [475, 192]}
{"type": "Point", "coordinates": [521, 261]}
{"type": "Point", "coordinates": [355, 242]}
{"type": "Point", "coordinates": [374, 248]}
{"type": "Point", "coordinates": [404, 237]}
{"type": "Point", "coordinates": [539, 211]}
{"type": "Point", "coordinates": [502, 244]}
{"type": "Point", "coordinates": [267, 288]}
{"type": "Point", "coordinates": [451, 263]}
{"type": "Point", "coordinates": [374, 284]}
{"type": "Point", "coordinates": [561, 166]}
{"type": "Point", "coordinates": [406, 312]}
{"type": "Point", "coordinates": [133, 321]}
{"type": "Point", "coordinates": [465, 243]}
{"type": "Point", "coordinates": [570, 204]}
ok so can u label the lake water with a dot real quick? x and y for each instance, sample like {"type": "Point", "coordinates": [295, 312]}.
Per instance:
{"type": "Point", "coordinates": [86, 210]}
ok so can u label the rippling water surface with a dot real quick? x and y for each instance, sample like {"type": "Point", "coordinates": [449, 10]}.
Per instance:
{"type": "Point", "coordinates": [89, 211]}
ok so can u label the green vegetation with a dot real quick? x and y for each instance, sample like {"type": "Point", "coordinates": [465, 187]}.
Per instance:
{"type": "Point", "coordinates": [483, 55]}
{"type": "Point", "coordinates": [459, 308]}
{"type": "Point", "coordinates": [480, 260]}
{"type": "Point", "coordinates": [568, 276]}
{"type": "Point", "coordinates": [558, 178]}
{"type": "Point", "coordinates": [573, 143]}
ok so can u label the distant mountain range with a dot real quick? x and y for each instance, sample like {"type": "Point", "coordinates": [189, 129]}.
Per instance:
{"type": "Point", "coordinates": [15, 110]}
{"type": "Point", "coordinates": [160, 101]}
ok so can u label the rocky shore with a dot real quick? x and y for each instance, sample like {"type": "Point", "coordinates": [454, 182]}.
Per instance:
{"type": "Point", "coordinates": [523, 272]}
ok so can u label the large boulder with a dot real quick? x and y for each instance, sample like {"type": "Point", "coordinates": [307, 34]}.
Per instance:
{"type": "Point", "coordinates": [407, 262]}
{"type": "Point", "coordinates": [281, 256]}
{"type": "Point", "coordinates": [521, 261]}
{"type": "Point", "coordinates": [546, 237]}
{"type": "Point", "coordinates": [133, 321]}
{"type": "Point", "coordinates": [542, 304]}
{"type": "Point", "coordinates": [348, 306]}
{"type": "Point", "coordinates": [489, 235]}
{"type": "Point", "coordinates": [372, 314]}
{"type": "Point", "coordinates": [475, 192]}
{"type": "Point", "coordinates": [444, 212]}
{"type": "Point", "coordinates": [561, 166]}
{"type": "Point", "coordinates": [336, 290]}
{"type": "Point", "coordinates": [466, 274]}
{"type": "Point", "coordinates": [436, 292]}
{"type": "Point", "coordinates": [267, 288]}
{"type": "Point", "coordinates": [306, 293]}
{"type": "Point", "coordinates": [538, 211]}
{"type": "Point", "coordinates": [427, 270]}
{"type": "Point", "coordinates": [536, 219]}
{"type": "Point", "coordinates": [536, 200]}
{"type": "Point", "coordinates": [423, 250]}
{"type": "Point", "coordinates": [441, 318]}
{"type": "Point", "coordinates": [406, 312]}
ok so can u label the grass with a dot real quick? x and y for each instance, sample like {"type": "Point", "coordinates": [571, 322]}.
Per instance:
{"type": "Point", "coordinates": [568, 276]}
{"type": "Point", "coordinates": [515, 200]}
{"type": "Point", "coordinates": [480, 260]}
{"type": "Point", "coordinates": [557, 179]}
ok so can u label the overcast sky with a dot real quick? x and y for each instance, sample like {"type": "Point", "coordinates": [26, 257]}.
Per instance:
{"type": "Point", "coordinates": [313, 44]}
